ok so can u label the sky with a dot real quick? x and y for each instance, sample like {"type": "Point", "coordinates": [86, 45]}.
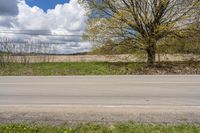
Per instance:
{"type": "Point", "coordinates": [47, 21]}
{"type": "Point", "coordinates": [46, 4]}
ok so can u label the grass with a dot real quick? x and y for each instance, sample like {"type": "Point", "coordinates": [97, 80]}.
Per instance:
{"type": "Point", "coordinates": [97, 68]}
{"type": "Point", "coordinates": [95, 128]}
{"type": "Point", "coordinates": [76, 68]}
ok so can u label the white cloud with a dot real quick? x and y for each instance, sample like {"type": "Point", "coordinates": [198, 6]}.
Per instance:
{"type": "Point", "coordinates": [66, 19]}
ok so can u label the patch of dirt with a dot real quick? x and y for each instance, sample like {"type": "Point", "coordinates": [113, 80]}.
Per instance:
{"type": "Point", "coordinates": [182, 68]}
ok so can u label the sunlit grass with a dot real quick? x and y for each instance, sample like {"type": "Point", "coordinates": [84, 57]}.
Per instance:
{"type": "Point", "coordinates": [95, 128]}
{"type": "Point", "coordinates": [97, 68]}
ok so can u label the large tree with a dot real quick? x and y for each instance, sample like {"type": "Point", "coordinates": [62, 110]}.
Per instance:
{"type": "Point", "coordinates": [143, 22]}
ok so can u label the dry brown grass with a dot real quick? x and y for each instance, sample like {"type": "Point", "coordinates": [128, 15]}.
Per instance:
{"type": "Point", "coordinates": [99, 58]}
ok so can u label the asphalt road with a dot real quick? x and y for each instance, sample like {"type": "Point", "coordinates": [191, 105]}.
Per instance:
{"type": "Point", "coordinates": [104, 99]}
{"type": "Point", "coordinates": [101, 90]}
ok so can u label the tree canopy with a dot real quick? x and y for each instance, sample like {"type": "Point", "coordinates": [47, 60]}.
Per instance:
{"type": "Point", "coordinates": [143, 22]}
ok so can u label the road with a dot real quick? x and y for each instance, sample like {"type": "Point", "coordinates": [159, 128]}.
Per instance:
{"type": "Point", "coordinates": [100, 90]}
{"type": "Point", "coordinates": [114, 97]}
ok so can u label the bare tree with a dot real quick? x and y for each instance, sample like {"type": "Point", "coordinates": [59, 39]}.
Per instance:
{"type": "Point", "coordinates": [144, 22]}
{"type": "Point", "coordinates": [24, 51]}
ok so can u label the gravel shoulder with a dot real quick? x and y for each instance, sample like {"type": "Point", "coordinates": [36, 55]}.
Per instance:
{"type": "Point", "coordinates": [57, 115]}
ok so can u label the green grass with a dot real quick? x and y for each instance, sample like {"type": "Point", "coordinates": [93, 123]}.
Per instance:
{"type": "Point", "coordinates": [78, 68]}
{"type": "Point", "coordinates": [94, 128]}
{"type": "Point", "coordinates": [97, 68]}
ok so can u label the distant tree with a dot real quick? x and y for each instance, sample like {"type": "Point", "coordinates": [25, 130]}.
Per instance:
{"type": "Point", "coordinates": [143, 22]}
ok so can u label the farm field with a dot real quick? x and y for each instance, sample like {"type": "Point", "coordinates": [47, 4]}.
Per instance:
{"type": "Point", "coordinates": [98, 58]}
{"type": "Point", "coordinates": [98, 68]}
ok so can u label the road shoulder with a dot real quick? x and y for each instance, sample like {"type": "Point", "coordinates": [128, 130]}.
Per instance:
{"type": "Point", "coordinates": [100, 114]}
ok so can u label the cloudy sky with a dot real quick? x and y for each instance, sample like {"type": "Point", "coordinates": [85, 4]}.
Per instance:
{"type": "Point", "coordinates": [45, 20]}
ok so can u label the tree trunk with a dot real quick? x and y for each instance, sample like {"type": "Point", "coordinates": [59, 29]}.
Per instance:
{"type": "Point", "coordinates": [151, 52]}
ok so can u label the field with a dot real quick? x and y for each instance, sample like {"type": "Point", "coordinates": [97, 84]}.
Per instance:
{"type": "Point", "coordinates": [98, 68]}
{"type": "Point", "coordinates": [98, 58]}
{"type": "Point", "coordinates": [94, 128]}
{"type": "Point", "coordinates": [62, 65]}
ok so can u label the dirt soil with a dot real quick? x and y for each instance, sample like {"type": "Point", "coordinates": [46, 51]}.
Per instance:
{"type": "Point", "coordinates": [166, 68]}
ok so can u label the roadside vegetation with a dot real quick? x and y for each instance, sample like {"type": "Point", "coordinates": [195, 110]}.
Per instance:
{"type": "Point", "coordinates": [94, 128]}
{"type": "Point", "coordinates": [97, 68]}
{"type": "Point", "coordinates": [141, 24]}
{"type": "Point", "coordinates": [170, 45]}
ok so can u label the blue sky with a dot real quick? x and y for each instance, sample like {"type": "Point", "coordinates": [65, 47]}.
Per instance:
{"type": "Point", "coordinates": [45, 4]}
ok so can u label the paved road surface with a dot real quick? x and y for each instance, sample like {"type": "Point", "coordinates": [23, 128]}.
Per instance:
{"type": "Point", "coordinates": [101, 90]}
{"type": "Point", "coordinates": [100, 98]}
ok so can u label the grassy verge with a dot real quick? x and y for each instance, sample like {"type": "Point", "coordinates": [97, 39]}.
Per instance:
{"type": "Point", "coordinates": [97, 68]}
{"type": "Point", "coordinates": [94, 128]}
